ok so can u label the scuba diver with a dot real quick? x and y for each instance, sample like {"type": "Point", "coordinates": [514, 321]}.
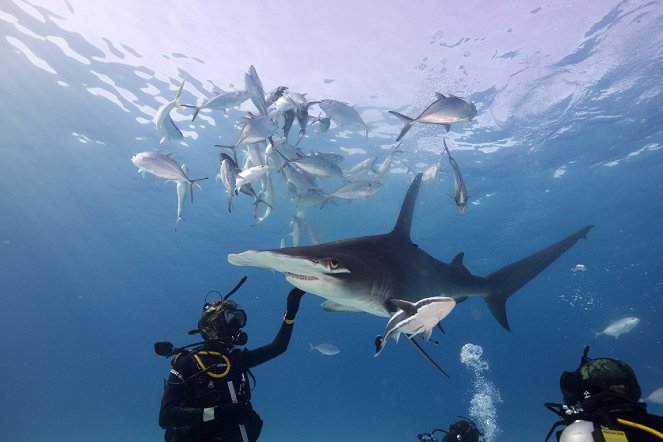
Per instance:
{"type": "Point", "coordinates": [465, 430]}
{"type": "Point", "coordinates": [207, 397]}
{"type": "Point", "coordinates": [601, 404]}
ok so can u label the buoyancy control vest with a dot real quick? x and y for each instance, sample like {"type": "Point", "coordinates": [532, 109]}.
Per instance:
{"type": "Point", "coordinates": [210, 375]}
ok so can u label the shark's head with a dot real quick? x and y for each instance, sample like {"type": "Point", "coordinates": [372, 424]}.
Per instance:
{"type": "Point", "coordinates": [331, 273]}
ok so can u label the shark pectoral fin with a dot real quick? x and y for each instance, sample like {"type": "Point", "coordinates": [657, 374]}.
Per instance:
{"type": "Point", "coordinates": [331, 306]}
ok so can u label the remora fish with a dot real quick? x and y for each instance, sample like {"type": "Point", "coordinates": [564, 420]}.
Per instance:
{"type": "Point", "coordinates": [367, 272]}
{"type": "Point", "coordinates": [164, 123]}
{"type": "Point", "coordinates": [325, 349]}
{"type": "Point", "coordinates": [342, 113]}
{"type": "Point", "coordinates": [444, 110]}
{"type": "Point", "coordinates": [619, 327]}
{"type": "Point", "coordinates": [415, 318]}
{"type": "Point", "coordinates": [460, 192]}
{"type": "Point", "coordinates": [164, 167]}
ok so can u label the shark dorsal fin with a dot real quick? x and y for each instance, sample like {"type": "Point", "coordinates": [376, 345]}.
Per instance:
{"type": "Point", "coordinates": [404, 222]}
{"type": "Point", "coordinates": [458, 259]}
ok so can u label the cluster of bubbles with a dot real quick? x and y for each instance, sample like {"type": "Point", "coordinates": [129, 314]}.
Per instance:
{"type": "Point", "coordinates": [486, 396]}
{"type": "Point", "coordinates": [578, 298]}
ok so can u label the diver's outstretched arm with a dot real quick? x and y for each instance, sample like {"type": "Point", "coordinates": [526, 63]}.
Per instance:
{"type": "Point", "coordinates": [280, 343]}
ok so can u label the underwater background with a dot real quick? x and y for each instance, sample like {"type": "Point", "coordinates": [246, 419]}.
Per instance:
{"type": "Point", "coordinates": [94, 268]}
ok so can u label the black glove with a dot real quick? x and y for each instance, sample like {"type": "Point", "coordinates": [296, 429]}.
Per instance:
{"type": "Point", "coordinates": [294, 297]}
{"type": "Point", "coordinates": [230, 415]}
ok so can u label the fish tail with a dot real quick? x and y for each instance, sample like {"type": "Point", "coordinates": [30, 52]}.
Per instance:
{"type": "Point", "coordinates": [195, 183]}
{"type": "Point", "coordinates": [178, 95]}
{"type": "Point", "coordinates": [195, 113]}
{"type": "Point", "coordinates": [405, 120]}
{"type": "Point", "coordinates": [506, 281]}
{"type": "Point", "coordinates": [310, 347]}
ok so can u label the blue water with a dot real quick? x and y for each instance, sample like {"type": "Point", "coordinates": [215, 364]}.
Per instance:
{"type": "Point", "coordinates": [93, 270]}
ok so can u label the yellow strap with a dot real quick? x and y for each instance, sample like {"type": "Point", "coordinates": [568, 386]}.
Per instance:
{"type": "Point", "coordinates": [641, 427]}
{"type": "Point", "coordinates": [288, 321]}
{"type": "Point", "coordinates": [212, 353]}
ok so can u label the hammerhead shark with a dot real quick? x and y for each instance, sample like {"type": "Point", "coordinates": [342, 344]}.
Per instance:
{"type": "Point", "coordinates": [366, 273]}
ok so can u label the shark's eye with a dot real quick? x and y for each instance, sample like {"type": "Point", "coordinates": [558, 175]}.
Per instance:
{"type": "Point", "coordinates": [333, 264]}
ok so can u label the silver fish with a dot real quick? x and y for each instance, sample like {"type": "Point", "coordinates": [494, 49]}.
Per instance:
{"type": "Point", "coordinates": [256, 91]}
{"type": "Point", "coordinates": [182, 190]}
{"type": "Point", "coordinates": [221, 102]}
{"type": "Point", "coordinates": [325, 349]}
{"type": "Point", "coordinates": [257, 128]}
{"type": "Point", "coordinates": [317, 165]}
{"type": "Point", "coordinates": [353, 191]}
{"type": "Point", "coordinates": [342, 113]}
{"type": "Point", "coordinates": [164, 167]}
{"type": "Point", "coordinates": [619, 327]}
{"type": "Point", "coordinates": [228, 176]}
{"type": "Point", "coordinates": [444, 110]}
{"type": "Point", "coordinates": [165, 125]}
{"type": "Point", "coordinates": [460, 192]}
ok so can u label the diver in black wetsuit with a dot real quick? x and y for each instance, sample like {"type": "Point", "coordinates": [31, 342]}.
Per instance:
{"type": "Point", "coordinates": [207, 396]}
{"type": "Point", "coordinates": [602, 403]}
{"type": "Point", "coordinates": [465, 430]}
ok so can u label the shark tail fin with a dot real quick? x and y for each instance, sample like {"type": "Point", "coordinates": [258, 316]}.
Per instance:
{"type": "Point", "coordinates": [509, 279]}
{"type": "Point", "coordinates": [405, 119]}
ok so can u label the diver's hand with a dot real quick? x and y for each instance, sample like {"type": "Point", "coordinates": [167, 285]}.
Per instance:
{"type": "Point", "coordinates": [294, 297]}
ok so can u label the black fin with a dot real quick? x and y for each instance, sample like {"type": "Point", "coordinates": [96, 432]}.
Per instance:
{"type": "Point", "coordinates": [507, 280]}
{"type": "Point", "coordinates": [426, 355]}
{"type": "Point", "coordinates": [404, 222]}
{"type": "Point", "coordinates": [458, 259]}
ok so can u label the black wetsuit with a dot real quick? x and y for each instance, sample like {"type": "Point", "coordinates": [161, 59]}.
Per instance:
{"type": "Point", "coordinates": [189, 390]}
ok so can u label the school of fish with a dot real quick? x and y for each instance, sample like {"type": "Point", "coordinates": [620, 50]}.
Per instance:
{"type": "Point", "coordinates": [265, 152]}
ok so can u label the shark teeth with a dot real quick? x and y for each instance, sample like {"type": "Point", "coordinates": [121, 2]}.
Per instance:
{"type": "Point", "coordinates": [302, 277]}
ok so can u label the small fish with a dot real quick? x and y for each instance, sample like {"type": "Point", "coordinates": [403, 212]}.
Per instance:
{"type": "Point", "coordinates": [324, 123]}
{"type": "Point", "coordinates": [460, 192]}
{"type": "Point", "coordinates": [164, 167]}
{"type": "Point", "coordinates": [257, 128]}
{"type": "Point", "coordinates": [274, 95]}
{"type": "Point", "coordinates": [619, 327]}
{"type": "Point", "coordinates": [256, 91]}
{"type": "Point", "coordinates": [656, 397]}
{"type": "Point", "coordinates": [353, 191]}
{"type": "Point", "coordinates": [431, 172]}
{"type": "Point", "coordinates": [317, 165]}
{"type": "Point", "coordinates": [220, 102]}
{"type": "Point", "coordinates": [414, 318]}
{"type": "Point", "coordinates": [250, 175]}
{"type": "Point", "coordinates": [444, 110]}
{"type": "Point", "coordinates": [228, 175]}
{"type": "Point", "coordinates": [382, 168]}
{"type": "Point", "coordinates": [342, 113]}
{"type": "Point", "coordinates": [325, 349]}
{"type": "Point", "coordinates": [165, 125]}
{"type": "Point", "coordinates": [182, 190]}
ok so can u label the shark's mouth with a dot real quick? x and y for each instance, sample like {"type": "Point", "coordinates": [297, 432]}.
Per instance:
{"type": "Point", "coordinates": [300, 277]}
